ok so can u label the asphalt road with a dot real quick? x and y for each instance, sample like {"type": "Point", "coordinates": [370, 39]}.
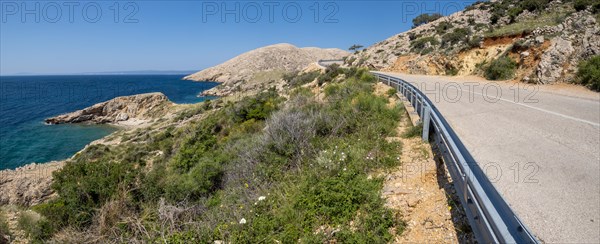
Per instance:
{"type": "Point", "coordinates": [539, 145]}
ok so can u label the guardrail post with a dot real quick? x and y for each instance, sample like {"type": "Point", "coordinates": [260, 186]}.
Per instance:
{"type": "Point", "coordinates": [426, 122]}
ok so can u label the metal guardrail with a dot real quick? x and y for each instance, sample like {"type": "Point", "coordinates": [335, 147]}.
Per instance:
{"type": "Point", "coordinates": [491, 219]}
{"type": "Point", "coordinates": [323, 61]}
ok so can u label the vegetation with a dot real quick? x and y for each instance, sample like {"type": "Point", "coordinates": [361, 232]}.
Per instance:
{"type": "Point", "coordinates": [264, 169]}
{"type": "Point", "coordinates": [413, 131]}
{"type": "Point", "coordinates": [391, 92]}
{"type": "Point", "coordinates": [443, 27]}
{"type": "Point", "coordinates": [5, 233]}
{"type": "Point", "coordinates": [298, 79]}
{"type": "Point", "coordinates": [475, 42]}
{"type": "Point", "coordinates": [528, 25]}
{"type": "Point", "coordinates": [36, 227]}
{"type": "Point", "coordinates": [458, 35]}
{"type": "Point", "coordinates": [588, 73]}
{"type": "Point", "coordinates": [355, 47]}
{"type": "Point", "coordinates": [425, 18]}
{"type": "Point", "coordinates": [419, 45]}
{"type": "Point", "coordinates": [581, 5]}
{"type": "Point", "coordinates": [502, 68]}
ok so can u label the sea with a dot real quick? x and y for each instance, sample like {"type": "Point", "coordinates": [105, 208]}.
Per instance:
{"type": "Point", "coordinates": [25, 101]}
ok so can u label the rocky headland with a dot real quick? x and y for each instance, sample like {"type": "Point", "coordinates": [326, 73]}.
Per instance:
{"type": "Point", "coordinates": [261, 67]}
{"type": "Point", "coordinates": [126, 110]}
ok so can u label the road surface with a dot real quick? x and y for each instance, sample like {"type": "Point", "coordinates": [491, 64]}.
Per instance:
{"type": "Point", "coordinates": [539, 145]}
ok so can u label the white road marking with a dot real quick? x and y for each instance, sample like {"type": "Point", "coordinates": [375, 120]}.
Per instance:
{"type": "Point", "coordinates": [544, 110]}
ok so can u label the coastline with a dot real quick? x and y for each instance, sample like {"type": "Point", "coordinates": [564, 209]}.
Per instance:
{"type": "Point", "coordinates": [30, 184]}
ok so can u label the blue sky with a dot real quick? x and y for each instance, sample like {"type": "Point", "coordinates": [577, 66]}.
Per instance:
{"type": "Point", "coordinates": [186, 35]}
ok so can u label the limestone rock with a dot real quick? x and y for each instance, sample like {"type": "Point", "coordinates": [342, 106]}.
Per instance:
{"type": "Point", "coordinates": [27, 185]}
{"type": "Point", "coordinates": [119, 109]}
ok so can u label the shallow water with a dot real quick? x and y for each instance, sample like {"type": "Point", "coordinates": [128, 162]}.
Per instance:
{"type": "Point", "coordinates": [25, 101]}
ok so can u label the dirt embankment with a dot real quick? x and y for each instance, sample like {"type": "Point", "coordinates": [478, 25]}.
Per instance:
{"type": "Point", "coordinates": [422, 191]}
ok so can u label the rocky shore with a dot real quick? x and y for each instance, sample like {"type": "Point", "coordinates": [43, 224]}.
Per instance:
{"type": "Point", "coordinates": [27, 185]}
{"type": "Point", "coordinates": [30, 184]}
{"type": "Point", "coordinates": [120, 110]}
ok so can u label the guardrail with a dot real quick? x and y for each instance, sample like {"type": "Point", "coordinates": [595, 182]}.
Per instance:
{"type": "Point", "coordinates": [323, 61]}
{"type": "Point", "coordinates": [491, 219]}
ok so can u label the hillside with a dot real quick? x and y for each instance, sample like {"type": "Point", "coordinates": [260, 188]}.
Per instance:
{"type": "Point", "coordinates": [303, 165]}
{"type": "Point", "coordinates": [544, 40]}
{"type": "Point", "coordinates": [262, 66]}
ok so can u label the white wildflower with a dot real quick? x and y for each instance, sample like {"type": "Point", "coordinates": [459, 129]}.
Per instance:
{"type": "Point", "coordinates": [242, 221]}
{"type": "Point", "coordinates": [262, 198]}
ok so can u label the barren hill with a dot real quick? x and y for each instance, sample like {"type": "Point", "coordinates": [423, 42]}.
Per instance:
{"type": "Point", "coordinates": [262, 65]}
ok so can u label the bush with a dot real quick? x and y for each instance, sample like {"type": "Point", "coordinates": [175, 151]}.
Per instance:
{"type": "Point", "coordinates": [36, 227]}
{"type": "Point", "coordinates": [413, 131]}
{"type": "Point", "coordinates": [475, 42]}
{"type": "Point", "coordinates": [458, 35]}
{"type": "Point", "coordinates": [258, 107]}
{"type": "Point", "coordinates": [443, 27]}
{"type": "Point", "coordinates": [289, 133]}
{"type": "Point", "coordinates": [425, 18]}
{"type": "Point", "coordinates": [581, 5]}
{"type": "Point", "coordinates": [298, 79]}
{"type": "Point", "coordinates": [84, 186]}
{"type": "Point", "coordinates": [533, 5]}
{"type": "Point", "coordinates": [330, 73]}
{"type": "Point", "coordinates": [5, 234]}
{"type": "Point", "coordinates": [391, 92]}
{"type": "Point", "coordinates": [420, 44]}
{"type": "Point", "coordinates": [588, 73]}
{"type": "Point", "coordinates": [502, 68]}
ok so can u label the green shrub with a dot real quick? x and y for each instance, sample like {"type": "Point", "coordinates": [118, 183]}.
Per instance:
{"type": "Point", "coordinates": [533, 5]}
{"type": "Point", "coordinates": [5, 233]}
{"type": "Point", "coordinates": [502, 68]}
{"type": "Point", "coordinates": [581, 5]}
{"type": "Point", "coordinates": [588, 73]}
{"type": "Point", "coordinates": [391, 92]}
{"type": "Point", "coordinates": [419, 45]}
{"type": "Point", "coordinates": [37, 228]}
{"type": "Point", "coordinates": [84, 186]}
{"type": "Point", "coordinates": [413, 131]}
{"type": "Point", "coordinates": [443, 27]}
{"type": "Point", "coordinates": [330, 73]}
{"type": "Point", "coordinates": [258, 107]}
{"type": "Point", "coordinates": [425, 18]}
{"type": "Point", "coordinates": [513, 13]}
{"type": "Point", "coordinates": [475, 42]}
{"type": "Point", "coordinates": [204, 178]}
{"type": "Point", "coordinates": [458, 35]}
{"type": "Point", "coordinates": [298, 79]}
{"type": "Point", "coordinates": [451, 70]}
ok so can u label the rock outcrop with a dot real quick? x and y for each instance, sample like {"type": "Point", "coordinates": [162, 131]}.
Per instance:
{"type": "Point", "coordinates": [27, 185]}
{"type": "Point", "coordinates": [138, 108]}
{"type": "Point", "coordinates": [547, 43]}
{"type": "Point", "coordinates": [262, 66]}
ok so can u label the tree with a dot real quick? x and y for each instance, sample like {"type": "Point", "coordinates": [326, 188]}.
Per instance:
{"type": "Point", "coordinates": [425, 18]}
{"type": "Point", "coordinates": [355, 47]}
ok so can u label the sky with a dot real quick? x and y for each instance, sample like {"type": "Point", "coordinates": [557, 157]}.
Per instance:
{"type": "Point", "coordinates": [54, 37]}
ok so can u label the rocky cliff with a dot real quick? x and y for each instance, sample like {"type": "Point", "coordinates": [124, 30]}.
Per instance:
{"type": "Point", "coordinates": [120, 110]}
{"type": "Point", "coordinates": [27, 185]}
{"type": "Point", "coordinates": [547, 39]}
{"type": "Point", "coordinates": [262, 66]}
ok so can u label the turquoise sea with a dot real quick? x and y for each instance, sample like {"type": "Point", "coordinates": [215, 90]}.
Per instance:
{"type": "Point", "coordinates": [25, 101]}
